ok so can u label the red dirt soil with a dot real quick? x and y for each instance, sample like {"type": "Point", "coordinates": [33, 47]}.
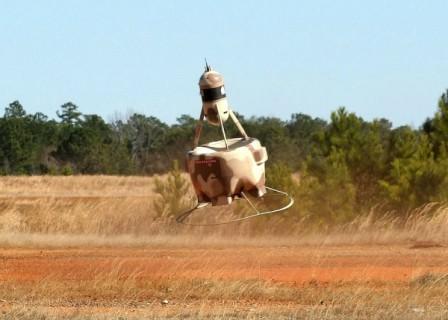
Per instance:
{"type": "Point", "coordinates": [291, 265]}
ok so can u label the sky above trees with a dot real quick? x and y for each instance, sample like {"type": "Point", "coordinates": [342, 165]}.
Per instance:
{"type": "Point", "coordinates": [378, 58]}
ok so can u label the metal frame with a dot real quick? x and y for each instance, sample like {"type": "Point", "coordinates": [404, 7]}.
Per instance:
{"type": "Point", "coordinates": [198, 129]}
{"type": "Point", "coordinates": [182, 218]}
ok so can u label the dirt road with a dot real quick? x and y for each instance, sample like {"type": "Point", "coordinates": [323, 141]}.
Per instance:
{"type": "Point", "coordinates": [106, 278]}
{"type": "Point", "coordinates": [296, 265]}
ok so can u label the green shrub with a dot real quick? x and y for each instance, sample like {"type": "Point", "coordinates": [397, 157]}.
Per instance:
{"type": "Point", "coordinates": [67, 170]}
{"type": "Point", "coordinates": [173, 193]}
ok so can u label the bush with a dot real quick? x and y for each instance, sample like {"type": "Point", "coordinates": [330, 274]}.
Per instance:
{"type": "Point", "coordinates": [173, 193]}
{"type": "Point", "coordinates": [67, 170]}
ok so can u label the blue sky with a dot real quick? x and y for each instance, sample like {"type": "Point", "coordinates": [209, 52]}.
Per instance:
{"type": "Point", "coordinates": [378, 58]}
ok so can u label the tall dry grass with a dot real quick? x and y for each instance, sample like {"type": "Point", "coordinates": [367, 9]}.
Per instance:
{"type": "Point", "coordinates": [121, 295]}
{"type": "Point", "coordinates": [117, 211]}
{"type": "Point", "coordinates": [109, 210]}
{"type": "Point", "coordinates": [118, 289]}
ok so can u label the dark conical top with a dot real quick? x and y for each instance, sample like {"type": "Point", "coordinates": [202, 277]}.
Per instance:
{"type": "Point", "coordinates": [207, 67]}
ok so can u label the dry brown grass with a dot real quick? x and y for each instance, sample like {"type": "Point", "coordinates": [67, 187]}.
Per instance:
{"type": "Point", "coordinates": [102, 211]}
{"type": "Point", "coordinates": [75, 186]}
{"type": "Point", "coordinates": [116, 290]}
{"type": "Point", "coordinates": [116, 296]}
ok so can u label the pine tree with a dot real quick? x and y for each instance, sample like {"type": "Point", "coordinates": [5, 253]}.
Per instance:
{"type": "Point", "coordinates": [69, 114]}
{"type": "Point", "coordinates": [173, 193]}
{"type": "Point", "coordinates": [15, 110]}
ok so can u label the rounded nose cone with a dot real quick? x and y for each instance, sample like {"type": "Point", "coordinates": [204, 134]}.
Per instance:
{"type": "Point", "coordinates": [211, 79]}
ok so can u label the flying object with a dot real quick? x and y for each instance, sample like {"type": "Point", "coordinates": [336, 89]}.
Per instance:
{"type": "Point", "coordinates": [229, 169]}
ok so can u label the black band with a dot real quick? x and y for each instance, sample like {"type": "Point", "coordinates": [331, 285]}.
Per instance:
{"type": "Point", "coordinates": [212, 94]}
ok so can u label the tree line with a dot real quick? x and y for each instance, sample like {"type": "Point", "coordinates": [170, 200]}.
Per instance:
{"type": "Point", "coordinates": [342, 166]}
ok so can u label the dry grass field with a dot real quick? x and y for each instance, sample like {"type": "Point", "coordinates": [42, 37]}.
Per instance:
{"type": "Point", "coordinates": [91, 248]}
